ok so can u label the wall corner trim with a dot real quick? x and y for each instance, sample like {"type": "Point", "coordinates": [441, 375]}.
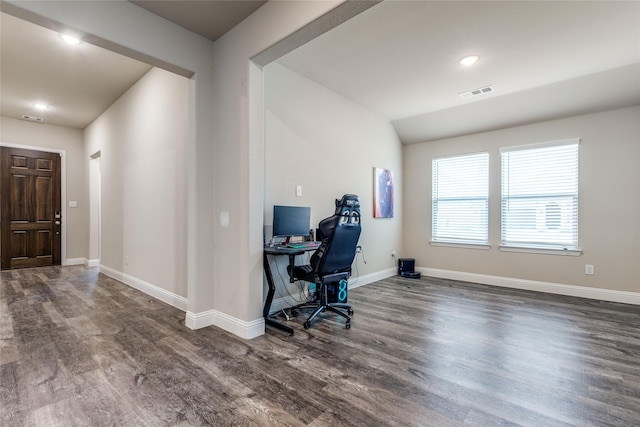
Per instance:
{"type": "Point", "coordinates": [241, 328]}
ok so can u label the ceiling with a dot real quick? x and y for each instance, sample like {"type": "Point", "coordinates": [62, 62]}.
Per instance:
{"type": "Point", "coordinates": [80, 82]}
{"type": "Point", "coordinates": [544, 60]}
{"type": "Point", "coordinates": [210, 19]}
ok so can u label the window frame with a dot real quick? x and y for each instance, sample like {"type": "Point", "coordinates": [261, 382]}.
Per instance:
{"type": "Point", "coordinates": [549, 246]}
{"type": "Point", "coordinates": [441, 240]}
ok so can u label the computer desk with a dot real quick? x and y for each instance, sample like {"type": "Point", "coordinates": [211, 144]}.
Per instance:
{"type": "Point", "coordinates": [278, 251]}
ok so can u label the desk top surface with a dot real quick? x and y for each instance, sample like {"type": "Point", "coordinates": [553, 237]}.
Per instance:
{"type": "Point", "coordinates": [285, 250]}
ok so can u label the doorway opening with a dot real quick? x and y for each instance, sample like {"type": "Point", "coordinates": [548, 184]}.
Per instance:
{"type": "Point", "coordinates": [95, 226]}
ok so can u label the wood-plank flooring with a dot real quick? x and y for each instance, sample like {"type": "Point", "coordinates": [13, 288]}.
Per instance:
{"type": "Point", "coordinates": [80, 349]}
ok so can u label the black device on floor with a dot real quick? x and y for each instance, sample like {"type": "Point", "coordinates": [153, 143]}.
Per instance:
{"type": "Point", "coordinates": [406, 268]}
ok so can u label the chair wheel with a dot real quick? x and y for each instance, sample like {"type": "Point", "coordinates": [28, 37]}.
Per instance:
{"type": "Point", "coordinates": [306, 325]}
{"type": "Point", "coordinates": [350, 312]}
{"type": "Point", "coordinates": [294, 313]}
{"type": "Point", "coordinates": [348, 325]}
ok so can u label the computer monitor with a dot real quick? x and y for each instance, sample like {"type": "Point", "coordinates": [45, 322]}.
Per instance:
{"type": "Point", "coordinates": [289, 221]}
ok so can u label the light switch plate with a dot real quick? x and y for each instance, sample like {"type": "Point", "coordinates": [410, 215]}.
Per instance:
{"type": "Point", "coordinates": [224, 218]}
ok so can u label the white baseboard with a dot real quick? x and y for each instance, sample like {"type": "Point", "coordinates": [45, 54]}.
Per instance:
{"type": "Point", "coordinates": [200, 320]}
{"type": "Point", "coordinates": [533, 285]}
{"type": "Point", "coordinates": [163, 295]}
{"type": "Point", "coordinates": [246, 330]}
{"type": "Point", "coordinates": [192, 320]}
{"type": "Point", "coordinates": [82, 261]}
{"type": "Point", "coordinates": [255, 328]}
{"type": "Point", "coordinates": [356, 282]}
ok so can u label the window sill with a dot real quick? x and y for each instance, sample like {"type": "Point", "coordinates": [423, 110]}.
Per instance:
{"type": "Point", "coordinates": [482, 246]}
{"type": "Point", "coordinates": [539, 250]}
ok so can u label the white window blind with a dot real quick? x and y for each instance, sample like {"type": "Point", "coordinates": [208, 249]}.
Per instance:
{"type": "Point", "coordinates": [540, 196]}
{"type": "Point", "coordinates": [460, 199]}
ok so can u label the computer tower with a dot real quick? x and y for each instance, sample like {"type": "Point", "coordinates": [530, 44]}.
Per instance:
{"type": "Point", "coordinates": [337, 292]}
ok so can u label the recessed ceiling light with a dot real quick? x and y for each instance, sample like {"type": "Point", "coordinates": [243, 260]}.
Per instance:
{"type": "Point", "coordinates": [40, 106]}
{"type": "Point", "coordinates": [469, 60]}
{"type": "Point", "coordinates": [70, 39]}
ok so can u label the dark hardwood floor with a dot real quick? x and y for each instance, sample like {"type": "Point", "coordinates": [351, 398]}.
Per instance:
{"type": "Point", "coordinates": [80, 349]}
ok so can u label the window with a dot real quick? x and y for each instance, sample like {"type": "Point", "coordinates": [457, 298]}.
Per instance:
{"type": "Point", "coordinates": [540, 196]}
{"type": "Point", "coordinates": [461, 199]}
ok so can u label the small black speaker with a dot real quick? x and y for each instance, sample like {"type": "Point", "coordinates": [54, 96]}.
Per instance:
{"type": "Point", "coordinates": [406, 265]}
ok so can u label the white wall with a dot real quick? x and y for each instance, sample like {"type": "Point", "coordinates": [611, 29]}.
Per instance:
{"type": "Point", "coordinates": [45, 136]}
{"type": "Point", "coordinates": [130, 30]}
{"type": "Point", "coordinates": [239, 159]}
{"type": "Point", "coordinates": [329, 145]}
{"type": "Point", "coordinates": [225, 156]}
{"type": "Point", "coordinates": [225, 153]}
{"type": "Point", "coordinates": [142, 140]}
{"type": "Point", "coordinates": [609, 204]}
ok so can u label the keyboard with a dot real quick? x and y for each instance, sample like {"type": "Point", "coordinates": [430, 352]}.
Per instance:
{"type": "Point", "coordinates": [304, 245]}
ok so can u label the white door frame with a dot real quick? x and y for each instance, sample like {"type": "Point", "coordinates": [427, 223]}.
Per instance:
{"type": "Point", "coordinates": [95, 210]}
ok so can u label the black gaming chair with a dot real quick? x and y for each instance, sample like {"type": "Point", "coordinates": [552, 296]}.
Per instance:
{"type": "Point", "coordinates": [331, 262]}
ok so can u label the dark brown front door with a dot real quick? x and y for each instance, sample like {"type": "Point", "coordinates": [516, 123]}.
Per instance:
{"type": "Point", "coordinates": [30, 204]}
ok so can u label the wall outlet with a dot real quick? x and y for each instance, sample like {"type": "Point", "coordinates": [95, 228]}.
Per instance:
{"type": "Point", "coordinates": [588, 269]}
{"type": "Point", "coordinates": [393, 253]}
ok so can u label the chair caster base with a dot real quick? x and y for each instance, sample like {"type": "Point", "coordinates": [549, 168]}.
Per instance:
{"type": "Point", "coordinates": [350, 312]}
{"type": "Point", "coordinates": [347, 325]}
{"type": "Point", "coordinates": [306, 325]}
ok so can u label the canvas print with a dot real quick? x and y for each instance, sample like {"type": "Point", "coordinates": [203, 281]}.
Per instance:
{"type": "Point", "coordinates": [383, 193]}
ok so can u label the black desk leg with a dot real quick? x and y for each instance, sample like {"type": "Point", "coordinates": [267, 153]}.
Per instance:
{"type": "Point", "coordinates": [267, 304]}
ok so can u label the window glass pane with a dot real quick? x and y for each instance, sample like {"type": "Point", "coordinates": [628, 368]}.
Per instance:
{"type": "Point", "coordinates": [460, 199]}
{"type": "Point", "coordinates": [540, 197]}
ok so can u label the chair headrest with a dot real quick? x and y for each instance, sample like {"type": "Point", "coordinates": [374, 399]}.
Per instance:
{"type": "Point", "coordinates": [349, 201]}
{"type": "Point", "coordinates": [348, 209]}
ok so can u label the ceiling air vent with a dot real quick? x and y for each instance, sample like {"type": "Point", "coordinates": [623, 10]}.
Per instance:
{"type": "Point", "coordinates": [32, 118]}
{"type": "Point", "coordinates": [476, 92]}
